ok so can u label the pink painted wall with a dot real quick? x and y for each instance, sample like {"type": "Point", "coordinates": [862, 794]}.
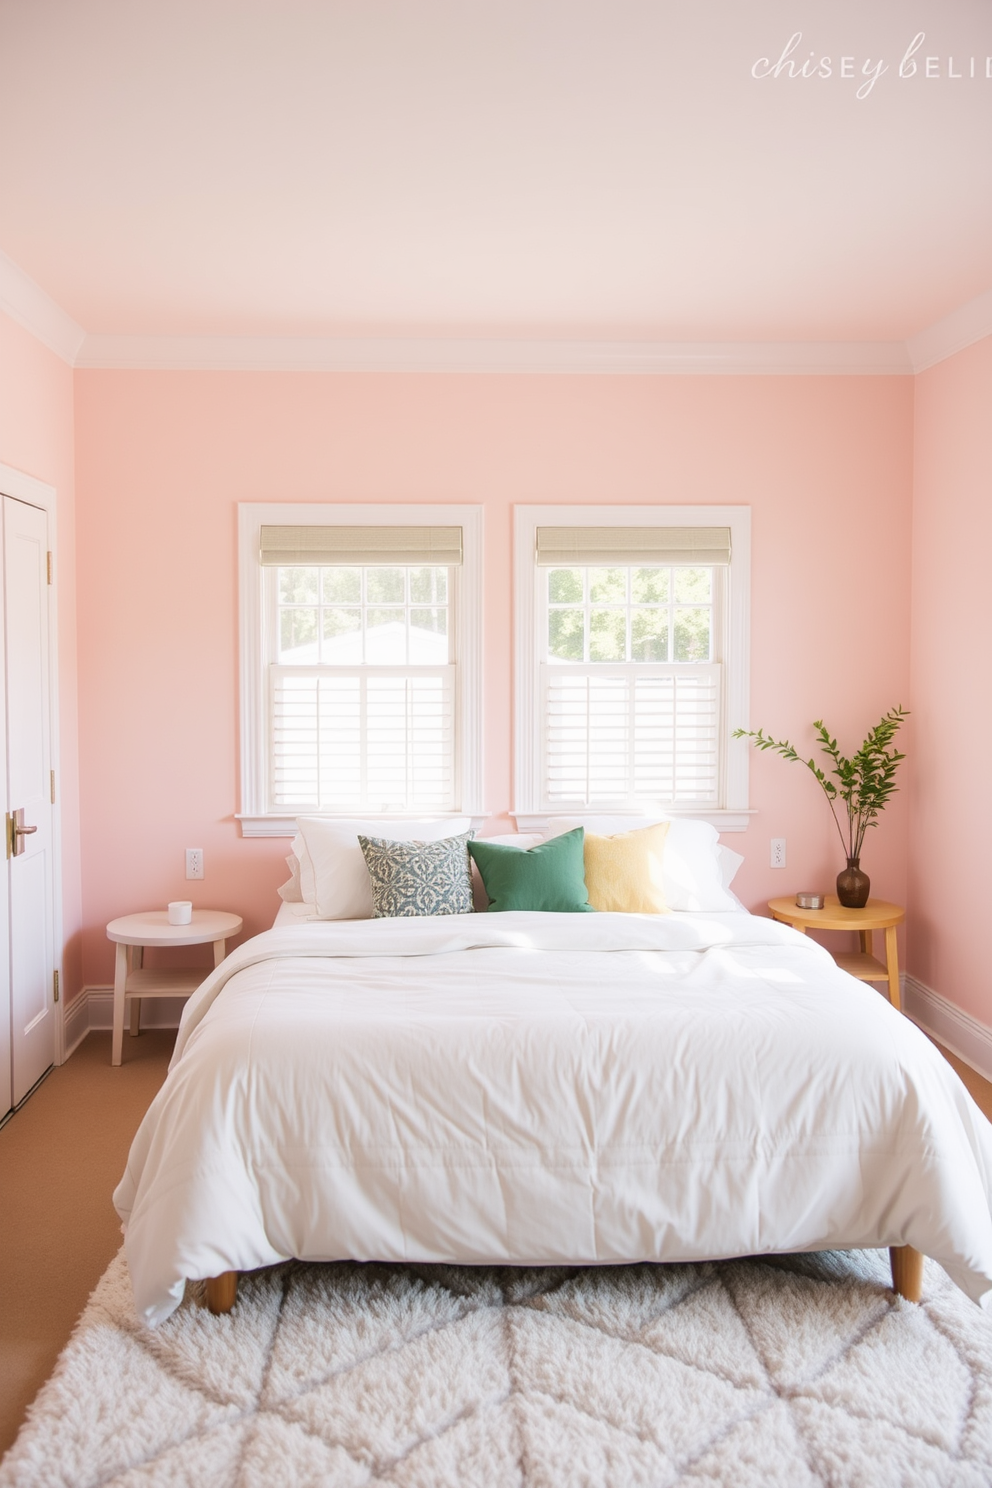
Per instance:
{"type": "Point", "coordinates": [952, 723]}
{"type": "Point", "coordinates": [163, 458]}
{"type": "Point", "coordinates": [36, 437]}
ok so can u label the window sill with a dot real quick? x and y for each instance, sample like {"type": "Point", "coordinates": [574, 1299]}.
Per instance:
{"type": "Point", "coordinates": [285, 826]}
{"type": "Point", "coordinates": [733, 820]}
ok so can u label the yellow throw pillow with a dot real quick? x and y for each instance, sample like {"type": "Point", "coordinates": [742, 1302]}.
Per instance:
{"type": "Point", "coordinates": [623, 873]}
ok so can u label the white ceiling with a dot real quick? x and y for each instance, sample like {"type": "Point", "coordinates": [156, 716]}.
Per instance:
{"type": "Point", "coordinates": [543, 169]}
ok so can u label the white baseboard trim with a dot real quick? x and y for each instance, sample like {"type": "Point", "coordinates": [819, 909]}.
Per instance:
{"type": "Point", "coordinates": [93, 1009]}
{"type": "Point", "coordinates": [965, 1036]}
{"type": "Point", "coordinates": [76, 1022]}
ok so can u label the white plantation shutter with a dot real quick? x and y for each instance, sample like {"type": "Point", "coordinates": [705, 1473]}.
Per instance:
{"type": "Point", "coordinates": [621, 734]}
{"type": "Point", "coordinates": [362, 739]}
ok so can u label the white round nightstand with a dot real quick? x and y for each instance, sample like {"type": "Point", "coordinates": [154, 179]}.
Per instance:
{"type": "Point", "coordinates": [131, 982]}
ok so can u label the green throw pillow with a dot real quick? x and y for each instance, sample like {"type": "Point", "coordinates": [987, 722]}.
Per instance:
{"type": "Point", "coordinates": [549, 877]}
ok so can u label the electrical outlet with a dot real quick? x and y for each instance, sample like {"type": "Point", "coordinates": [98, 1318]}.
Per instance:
{"type": "Point", "coordinates": [194, 862]}
{"type": "Point", "coordinates": [778, 853]}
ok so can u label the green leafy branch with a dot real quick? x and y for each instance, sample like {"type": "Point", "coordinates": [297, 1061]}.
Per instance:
{"type": "Point", "coordinates": [865, 781]}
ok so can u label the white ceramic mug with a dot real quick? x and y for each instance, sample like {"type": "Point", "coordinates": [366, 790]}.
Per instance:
{"type": "Point", "coordinates": [181, 912]}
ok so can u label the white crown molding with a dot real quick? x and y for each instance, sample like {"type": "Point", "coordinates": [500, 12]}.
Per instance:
{"type": "Point", "coordinates": [964, 1035]}
{"type": "Point", "coordinates": [633, 358]}
{"type": "Point", "coordinates": [961, 328]}
{"type": "Point", "coordinates": [27, 303]}
{"type": "Point", "coordinates": [33, 308]}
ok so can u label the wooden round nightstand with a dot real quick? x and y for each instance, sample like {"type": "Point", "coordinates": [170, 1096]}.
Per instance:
{"type": "Point", "coordinates": [876, 915]}
{"type": "Point", "coordinates": [131, 982]}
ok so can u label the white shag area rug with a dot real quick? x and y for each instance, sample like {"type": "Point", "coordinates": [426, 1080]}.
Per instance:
{"type": "Point", "coordinates": [748, 1374]}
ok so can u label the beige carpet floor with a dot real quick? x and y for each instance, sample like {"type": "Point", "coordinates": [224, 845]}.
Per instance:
{"type": "Point", "coordinates": [61, 1156]}
{"type": "Point", "coordinates": [739, 1375]}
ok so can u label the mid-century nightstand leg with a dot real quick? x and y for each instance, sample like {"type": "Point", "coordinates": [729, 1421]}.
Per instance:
{"type": "Point", "coordinates": [892, 966]}
{"type": "Point", "coordinates": [120, 981]}
{"type": "Point", "coordinates": [220, 951]}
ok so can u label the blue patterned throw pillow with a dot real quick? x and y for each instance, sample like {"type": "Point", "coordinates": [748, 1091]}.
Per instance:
{"type": "Point", "coordinates": [419, 878]}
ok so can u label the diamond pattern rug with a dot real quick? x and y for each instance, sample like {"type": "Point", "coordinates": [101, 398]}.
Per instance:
{"type": "Point", "coordinates": [748, 1374]}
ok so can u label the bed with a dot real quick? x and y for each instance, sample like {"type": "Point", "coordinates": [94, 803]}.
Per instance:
{"type": "Point", "coordinates": [547, 1088]}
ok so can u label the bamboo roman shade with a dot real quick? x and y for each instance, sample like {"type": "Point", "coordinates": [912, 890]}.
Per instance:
{"type": "Point", "coordinates": [580, 547]}
{"type": "Point", "coordinates": [300, 547]}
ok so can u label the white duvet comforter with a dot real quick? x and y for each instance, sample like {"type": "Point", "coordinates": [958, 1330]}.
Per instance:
{"type": "Point", "coordinates": [539, 1088]}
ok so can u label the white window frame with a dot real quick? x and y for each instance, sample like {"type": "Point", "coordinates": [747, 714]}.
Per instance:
{"type": "Point", "coordinates": [531, 812]}
{"type": "Point", "coordinates": [466, 646]}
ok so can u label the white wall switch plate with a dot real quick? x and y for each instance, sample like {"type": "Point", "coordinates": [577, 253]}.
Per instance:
{"type": "Point", "coordinates": [778, 852]}
{"type": "Point", "coordinates": [194, 862]}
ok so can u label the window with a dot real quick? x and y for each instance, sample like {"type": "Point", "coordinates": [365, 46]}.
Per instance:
{"type": "Point", "coordinates": [632, 660]}
{"type": "Point", "coordinates": [361, 674]}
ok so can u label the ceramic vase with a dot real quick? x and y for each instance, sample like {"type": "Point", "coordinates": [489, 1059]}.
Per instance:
{"type": "Point", "coordinates": [853, 885]}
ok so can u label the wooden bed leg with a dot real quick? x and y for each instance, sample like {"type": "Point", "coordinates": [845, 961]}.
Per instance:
{"type": "Point", "coordinates": [907, 1272]}
{"type": "Point", "coordinates": [222, 1291]}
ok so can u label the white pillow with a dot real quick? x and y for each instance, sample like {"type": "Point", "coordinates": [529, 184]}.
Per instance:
{"type": "Point", "coordinates": [730, 861]}
{"type": "Point", "coordinates": [523, 840]}
{"type": "Point", "coordinates": [308, 889]}
{"type": "Point", "coordinates": [333, 874]}
{"type": "Point", "coordinates": [690, 866]}
{"type": "Point", "coordinates": [290, 892]}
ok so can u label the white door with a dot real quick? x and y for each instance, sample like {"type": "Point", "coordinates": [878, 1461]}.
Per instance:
{"type": "Point", "coordinates": [29, 791]}
{"type": "Point", "coordinates": [6, 1072]}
